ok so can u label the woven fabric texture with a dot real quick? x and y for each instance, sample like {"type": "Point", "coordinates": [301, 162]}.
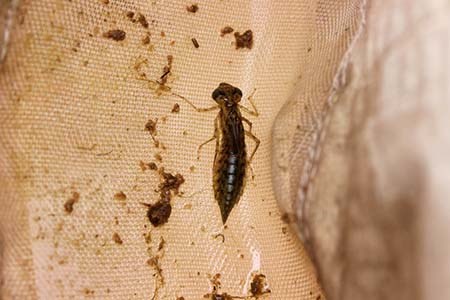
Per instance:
{"type": "Point", "coordinates": [74, 104]}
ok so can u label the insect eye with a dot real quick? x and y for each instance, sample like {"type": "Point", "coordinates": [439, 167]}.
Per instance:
{"type": "Point", "coordinates": [238, 92]}
{"type": "Point", "coordinates": [217, 93]}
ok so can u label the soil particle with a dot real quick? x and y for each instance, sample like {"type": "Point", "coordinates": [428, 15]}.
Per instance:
{"type": "Point", "coordinates": [195, 42]}
{"type": "Point", "coordinates": [158, 156]}
{"type": "Point", "coordinates": [68, 206]}
{"type": "Point", "coordinates": [244, 40]}
{"type": "Point", "coordinates": [115, 34]}
{"type": "Point", "coordinates": [192, 8]}
{"type": "Point", "coordinates": [120, 196]}
{"type": "Point", "coordinates": [150, 126]}
{"type": "Point", "coordinates": [116, 238]}
{"type": "Point", "coordinates": [214, 296]}
{"type": "Point", "coordinates": [148, 166]}
{"type": "Point", "coordinates": [146, 39]}
{"type": "Point", "coordinates": [226, 30]}
{"type": "Point", "coordinates": [176, 108]}
{"type": "Point", "coordinates": [170, 182]}
{"type": "Point", "coordinates": [258, 286]}
{"type": "Point", "coordinates": [143, 21]}
{"type": "Point", "coordinates": [159, 213]}
{"type": "Point", "coordinates": [154, 263]}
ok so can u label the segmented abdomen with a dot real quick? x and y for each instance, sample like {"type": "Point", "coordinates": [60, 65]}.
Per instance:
{"type": "Point", "coordinates": [229, 174]}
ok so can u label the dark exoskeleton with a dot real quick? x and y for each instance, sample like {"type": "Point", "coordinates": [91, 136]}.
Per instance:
{"type": "Point", "coordinates": [230, 162]}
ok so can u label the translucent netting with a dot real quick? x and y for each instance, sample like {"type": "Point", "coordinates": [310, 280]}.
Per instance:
{"type": "Point", "coordinates": [73, 109]}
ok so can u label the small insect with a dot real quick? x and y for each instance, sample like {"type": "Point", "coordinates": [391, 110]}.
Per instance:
{"type": "Point", "coordinates": [230, 161]}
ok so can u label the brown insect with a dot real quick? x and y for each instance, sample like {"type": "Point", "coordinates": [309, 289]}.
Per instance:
{"type": "Point", "coordinates": [230, 161]}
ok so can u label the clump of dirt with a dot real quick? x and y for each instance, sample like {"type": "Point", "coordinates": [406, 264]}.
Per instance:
{"type": "Point", "coordinates": [120, 196]}
{"type": "Point", "coordinates": [68, 205]}
{"type": "Point", "coordinates": [146, 39]}
{"type": "Point", "coordinates": [170, 183]}
{"type": "Point", "coordinates": [159, 213]}
{"type": "Point", "coordinates": [176, 108]}
{"type": "Point", "coordinates": [226, 30]}
{"type": "Point", "coordinates": [142, 20]}
{"type": "Point", "coordinates": [137, 17]}
{"type": "Point", "coordinates": [115, 34]}
{"type": "Point", "coordinates": [148, 166]}
{"type": "Point", "coordinates": [117, 239]}
{"type": "Point", "coordinates": [259, 286]}
{"type": "Point", "coordinates": [150, 126]}
{"type": "Point", "coordinates": [192, 8]}
{"type": "Point", "coordinates": [214, 294]}
{"type": "Point", "coordinates": [130, 16]}
{"type": "Point", "coordinates": [223, 296]}
{"type": "Point", "coordinates": [244, 40]}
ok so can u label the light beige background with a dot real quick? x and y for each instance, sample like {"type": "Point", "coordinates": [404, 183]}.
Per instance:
{"type": "Point", "coordinates": [73, 112]}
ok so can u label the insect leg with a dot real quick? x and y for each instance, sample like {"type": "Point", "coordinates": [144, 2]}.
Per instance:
{"type": "Point", "coordinates": [211, 139]}
{"type": "Point", "coordinates": [248, 122]}
{"type": "Point", "coordinates": [253, 112]}
{"type": "Point", "coordinates": [203, 144]}
{"type": "Point", "coordinates": [257, 141]}
{"type": "Point", "coordinates": [195, 107]}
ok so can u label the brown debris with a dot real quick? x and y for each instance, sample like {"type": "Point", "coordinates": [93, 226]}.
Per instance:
{"type": "Point", "coordinates": [244, 40]}
{"type": "Point", "coordinates": [143, 21]}
{"type": "Point", "coordinates": [171, 182]}
{"type": "Point", "coordinates": [150, 126]}
{"type": "Point", "coordinates": [158, 156]}
{"type": "Point", "coordinates": [258, 286]}
{"type": "Point", "coordinates": [214, 296]}
{"type": "Point", "coordinates": [159, 213]}
{"type": "Point", "coordinates": [166, 70]}
{"type": "Point", "coordinates": [68, 206]}
{"type": "Point", "coordinates": [161, 244]}
{"type": "Point", "coordinates": [176, 108]}
{"type": "Point", "coordinates": [192, 8]}
{"type": "Point", "coordinates": [154, 263]}
{"type": "Point", "coordinates": [88, 292]}
{"type": "Point", "coordinates": [226, 30]}
{"type": "Point", "coordinates": [195, 42]}
{"type": "Point", "coordinates": [120, 196]}
{"type": "Point", "coordinates": [116, 238]}
{"type": "Point", "coordinates": [148, 166]}
{"type": "Point", "coordinates": [115, 34]}
{"type": "Point", "coordinates": [146, 39]}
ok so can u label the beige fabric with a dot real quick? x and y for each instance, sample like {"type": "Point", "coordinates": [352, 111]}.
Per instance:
{"type": "Point", "coordinates": [73, 113]}
{"type": "Point", "coordinates": [376, 207]}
